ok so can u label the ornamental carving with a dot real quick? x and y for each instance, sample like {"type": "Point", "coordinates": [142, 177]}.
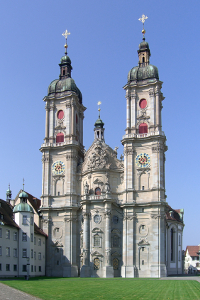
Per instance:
{"type": "Point", "coordinates": [129, 151]}
{"type": "Point", "coordinates": [101, 156]}
{"type": "Point", "coordinates": [71, 156]}
{"type": "Point", "coordinates": [151, 92]}
{"type": "Point", "coordinates": [45, 159]}
{"type": "Point", "coordinates": [98, 159]}
{"type": "Point", "coordinates": [157, 149]}
{"type": "Point", "coordinates": [107, 213]}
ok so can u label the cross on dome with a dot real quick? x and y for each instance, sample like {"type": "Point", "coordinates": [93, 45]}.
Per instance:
{"type": "Point", "coordinates": [65, 34]}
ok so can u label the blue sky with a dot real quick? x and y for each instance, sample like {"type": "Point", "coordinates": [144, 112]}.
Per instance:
{"type": "Point", "coordinates": [103, 48]}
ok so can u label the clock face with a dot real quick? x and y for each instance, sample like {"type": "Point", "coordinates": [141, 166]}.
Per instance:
{"type": "Point", "coordinates": [143, 160]}
{"type": "Point", "coordinates": [58, 167]}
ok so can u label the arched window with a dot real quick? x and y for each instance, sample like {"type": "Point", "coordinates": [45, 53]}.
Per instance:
{"type": "Point", "coordinates": [60, 138]}
{"type": "Point", "coordinates": [76, 119]}
{"type": "Point", "coordinates": [97, 191]}
{"type": "Point", "coordinates": [143, 128]}
{"type": "Point", "coordinates": [97, 242]}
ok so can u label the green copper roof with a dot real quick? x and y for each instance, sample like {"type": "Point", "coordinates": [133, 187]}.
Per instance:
{"type": "Point", "coordinates": [64, 85]}
{"type": "Point", "coordinates": [23, 207]}
{"type": "Point", "coordinates": [99, 123]}
{"type": "Point", "coordinates": [141, 73]}
{"type": "Point", "coordinates": [65, 60]}
{"type": "Point", "coordinates": [23, 195]}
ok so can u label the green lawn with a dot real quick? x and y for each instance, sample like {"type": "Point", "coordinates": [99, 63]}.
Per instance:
{"type": "Point", "coordinates": [115, 288]}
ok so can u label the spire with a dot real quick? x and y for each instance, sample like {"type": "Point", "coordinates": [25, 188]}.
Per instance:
{"type": "Point", "coordinates": [142, 19]}
{"type": "Point", "coordinates": [99, 129]}
{"type": "Point", "coordinates": [144, 51]}
{"type": "Point", "coordinates": [65, 64]}
{"type": "Point", "coordinates": [8, 194]}
{"type": "Point", "coordinates": [65, 34]}
{"type": "Point", "coordinates": [23, 195]}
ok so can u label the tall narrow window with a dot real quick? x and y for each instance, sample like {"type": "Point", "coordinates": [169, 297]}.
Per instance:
{"type": "Point", "coordinates": [7, 234]}
{"type": "Point", "coordinates": [143, 128]}
{"type": "Point", "coordinates": [97, 242]}
{"type": "Point", "coordinates": [60, 138]}
{"type": "Point", "coordinates": [172, 245]}
{"type": "Point", "coordinates": [24, 252]}
{"type": "Point", "coordinates": [24, 237]}
{"type": "Point", "coordinates": [24, 222]}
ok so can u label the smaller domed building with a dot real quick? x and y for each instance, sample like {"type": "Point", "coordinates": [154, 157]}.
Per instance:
{"type": "Point", "coordinates": [22, 242]}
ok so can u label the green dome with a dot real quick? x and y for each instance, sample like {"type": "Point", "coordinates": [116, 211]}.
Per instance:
{"type": "Point", "coordinates": [143, 46]}
{"type": "Point", "coordinates": [23, 207]}
{"type": "Point", "coordinates": [142, 73]}
{"type": "Point", "coordinates": [65, 60]}
{"type": "Point", "coordinates": [64, 85]}
{"type": "Point", "coordinates": [23, 195]}
{"type": "Point", "coordinates": [99, 123]}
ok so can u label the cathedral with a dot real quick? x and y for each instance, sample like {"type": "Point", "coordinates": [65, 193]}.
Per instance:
{"type": "Point", "coordinates": [104, 216]}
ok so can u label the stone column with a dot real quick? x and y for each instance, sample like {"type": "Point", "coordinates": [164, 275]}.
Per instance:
{"type": "Point", "coordinates": [70, 268]}
{"type": "Point", "coordinates": [85, 270]}
{"type": "Point", "coordinates": [157, 109]}
{"type": "Point", "coordinates": [133, 112]}
{"type": "Point", "coordinates": [51, 123]}
{"type": "Point", "coordinates": [128, 268]}
{"type": "Point", "coordinates": [127, 112]}
{"type": "Point", "coordinates": [73, 118]}
{"type": "Point", "coordinates": [108, 269]}
{"type": "Point", "coordinates": [47, 125]}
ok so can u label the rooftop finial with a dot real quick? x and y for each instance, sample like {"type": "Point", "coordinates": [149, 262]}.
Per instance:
{"type": "Point", "coordinates": [99, 109]}
{"type": "Point", "coordinates": [23, 184]}
{"type": "Point", "coordinates": [142, 19]}
{"type": "Point", "coordinates": [65, 34]}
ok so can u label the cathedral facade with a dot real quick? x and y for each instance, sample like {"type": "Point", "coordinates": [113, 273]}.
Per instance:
{"type": "Point", "coordinates": [104, 216]}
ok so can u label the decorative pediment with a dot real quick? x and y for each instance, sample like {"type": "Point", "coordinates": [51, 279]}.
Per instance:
{"type": "Point", "coordinates": [143, 242]}
{"type": "Point", "coordinates": [96, 253]}
{"type": "Point", "coordinates": [101, 156]}
{"type": "Point", "coordinates": [97, 230]}
{"type": "Point", "coordinates": [97, 181]}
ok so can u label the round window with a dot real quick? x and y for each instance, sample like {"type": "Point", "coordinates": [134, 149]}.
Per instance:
{"type": "Point", "coordinates": [60, 114]}
{"type": "Point", "coordinates": [143, 103]}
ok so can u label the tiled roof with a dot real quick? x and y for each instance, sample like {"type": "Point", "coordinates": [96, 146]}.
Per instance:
{"type": "Point", "coordinates": [39, 230]}
{"type": "Point", "coordinates": [6, 214]}
{"type": "Point", "coordinates": [193, 250]}
{"type": "Point", "coordinates": [173, 214]}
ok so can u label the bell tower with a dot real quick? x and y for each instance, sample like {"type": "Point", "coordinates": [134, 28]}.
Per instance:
{"type": "Point", "coordinates": [62, 151]}
{"type": "Point", "coordinates": [144, 171]}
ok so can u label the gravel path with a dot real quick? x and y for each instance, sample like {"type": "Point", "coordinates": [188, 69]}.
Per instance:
{"type": "Point", "coordinates": [8, 293]}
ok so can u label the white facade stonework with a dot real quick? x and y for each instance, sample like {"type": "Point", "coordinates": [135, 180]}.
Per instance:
{"type": "Point", "coordinates": [106, 217]}
{"type": "Point", "coordinates": [22, 242]}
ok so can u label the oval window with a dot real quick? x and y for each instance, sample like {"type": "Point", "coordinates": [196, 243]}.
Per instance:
{"type": "Point", "coordinates": [60, 114]}
{"type": "Point", "coordinates": [143, 103]}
